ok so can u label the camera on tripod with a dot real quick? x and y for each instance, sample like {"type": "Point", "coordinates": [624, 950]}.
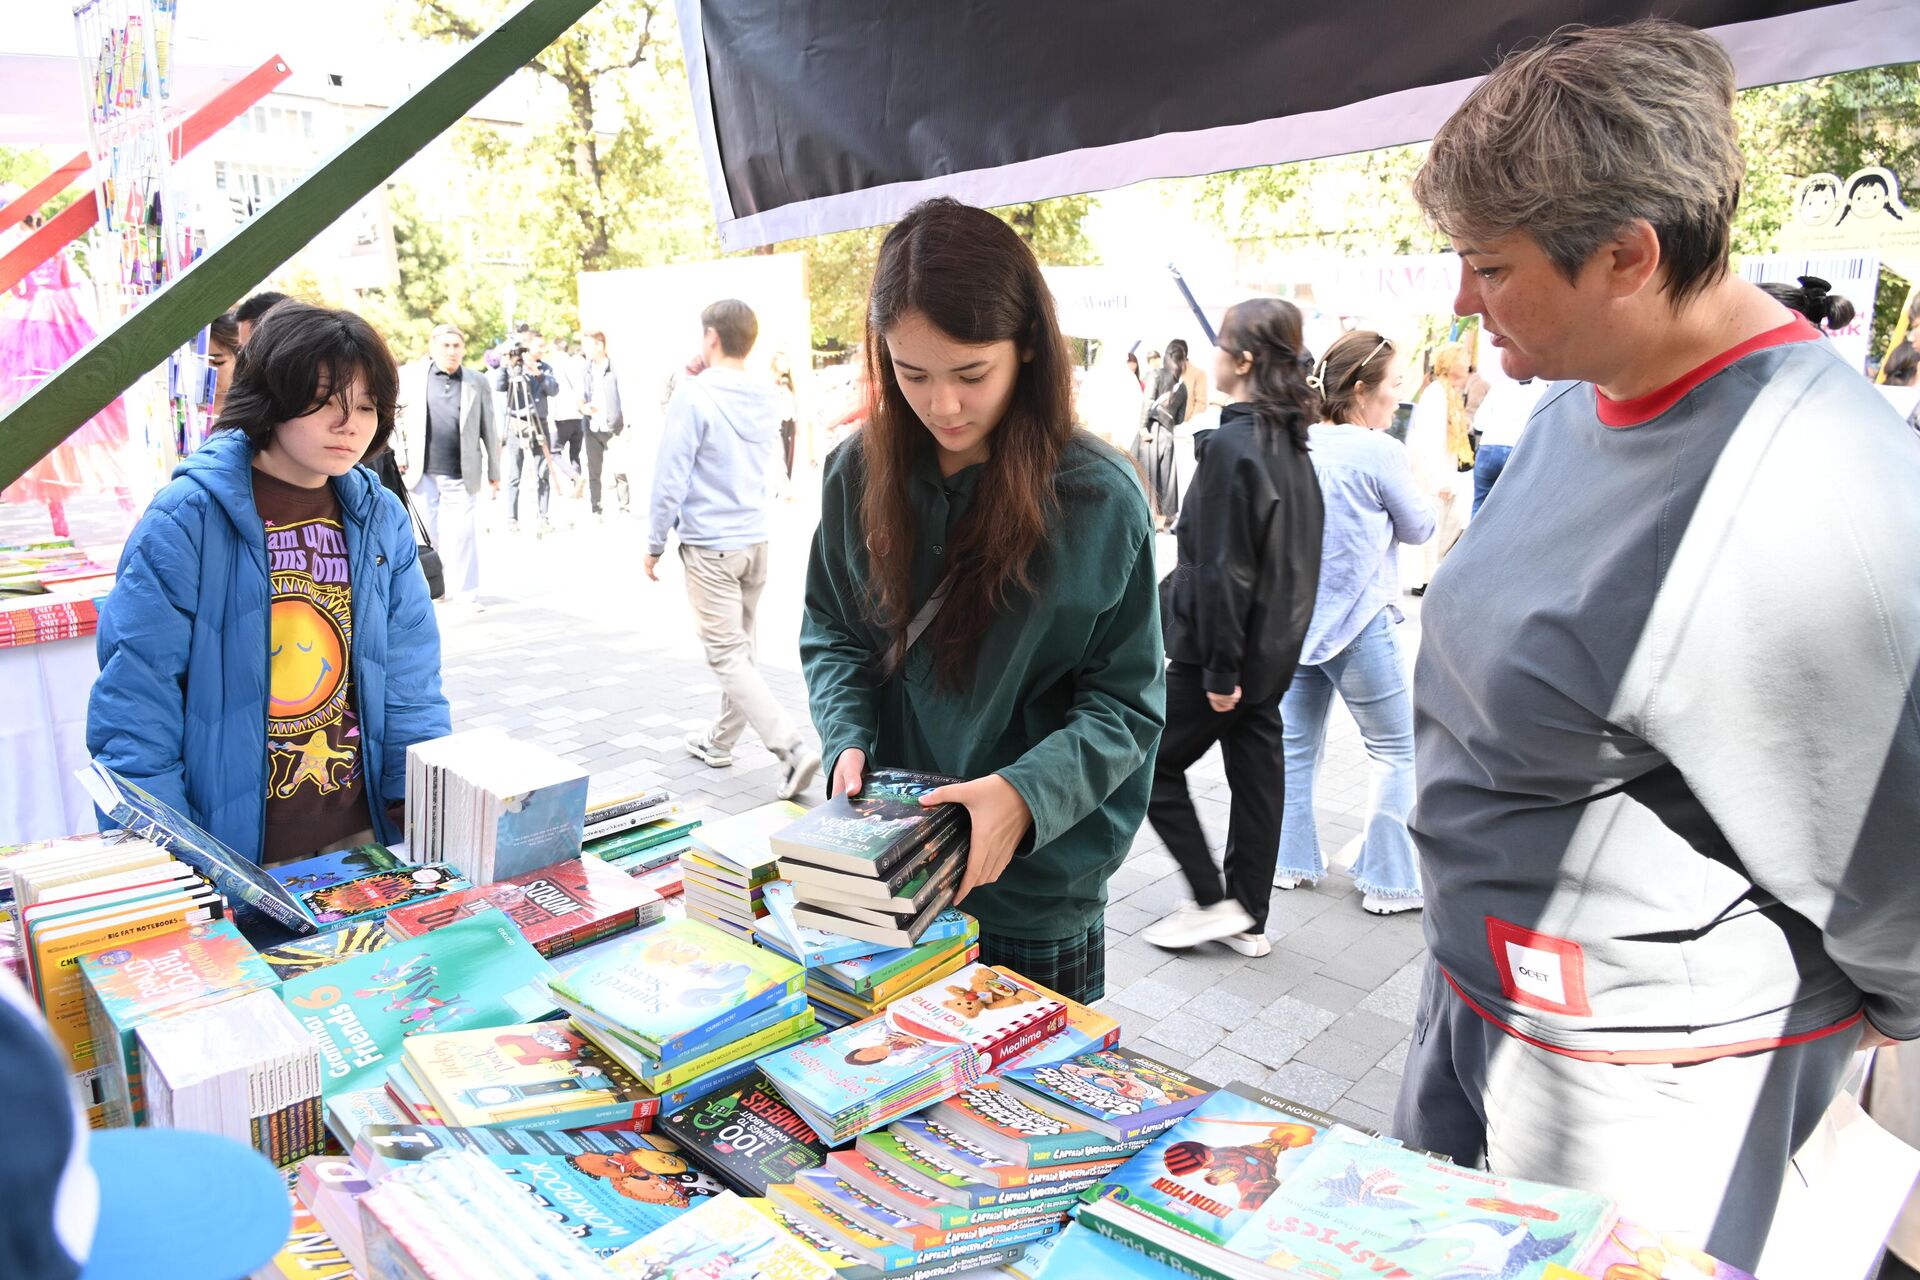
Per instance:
{"type": "Point", "coordinates": [516, 351]}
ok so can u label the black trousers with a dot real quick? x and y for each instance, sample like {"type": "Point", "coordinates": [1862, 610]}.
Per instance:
{"type": "Point", "coordinates": [567, 433]}
{"type": "Point", "coordinates": [597, 444]}
{"type": "Point", "coordinates": [1250, 739]}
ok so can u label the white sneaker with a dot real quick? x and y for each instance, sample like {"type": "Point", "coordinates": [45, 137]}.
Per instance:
{"type": "Point", "coordinates": [1249, 944]}
{"type": "Point", "coordinates": [1191, 926]}
{"type": "Point", "coordinates": [799, 767]}
{"type": "Point", "coordinates": [706, 753]}
{"type": "Point", "coordinates": [1287, 882]}
{"type": "Point", "coordinates": [1376, 905]}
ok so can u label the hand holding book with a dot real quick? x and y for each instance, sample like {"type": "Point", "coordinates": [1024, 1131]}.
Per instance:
{"type": "Point", "coordinates": [849, 772]}
{"type": "Point", "coordinates": [1000, 820]}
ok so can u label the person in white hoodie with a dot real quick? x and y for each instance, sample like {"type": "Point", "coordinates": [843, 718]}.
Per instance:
{"type": "Point", "coordinates": [719, 454]}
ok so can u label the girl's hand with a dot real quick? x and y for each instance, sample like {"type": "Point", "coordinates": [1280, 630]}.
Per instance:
{"type": "Point", "coordinates": [847, 773]}
{"type": "Point", "coordinates": [1224, 702]}
{"type": "Point", "coordinates": [1000, 821]}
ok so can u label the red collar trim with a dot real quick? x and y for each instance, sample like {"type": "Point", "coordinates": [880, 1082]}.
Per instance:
{"type": "Point", "coordinates": [1644, 409]}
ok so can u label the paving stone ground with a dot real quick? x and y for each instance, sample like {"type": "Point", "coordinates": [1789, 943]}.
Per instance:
{"type": "Point", "coordinates": [575, 648]}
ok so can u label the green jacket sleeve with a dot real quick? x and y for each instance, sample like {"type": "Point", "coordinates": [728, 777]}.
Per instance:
{"type": "Point", "coordinates": [834, 652]}
{"type": "Point", "coordinates": [1119, 709]}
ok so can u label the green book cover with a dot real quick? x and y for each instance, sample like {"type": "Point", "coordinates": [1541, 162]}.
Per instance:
{"type": "Point", "coordinates": [870, 833]}
{"type": "Point", "coordinates": [154, 977]}
{"type": "Point", "coordinates": [678, 982]}
{"type": "Point", "coordinates": [477, 972]}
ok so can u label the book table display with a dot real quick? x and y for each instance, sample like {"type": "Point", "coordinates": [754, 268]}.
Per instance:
{"type": "Point", "coordinates": [621, 1040]}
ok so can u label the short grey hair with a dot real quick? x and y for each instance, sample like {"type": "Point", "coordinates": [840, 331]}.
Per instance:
{"type": "Point", "coordinates": [453, 329]}
{"type": "Point", "coordinates": [1574, 138]}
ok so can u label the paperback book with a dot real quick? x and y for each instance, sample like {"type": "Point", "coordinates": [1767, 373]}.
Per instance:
{"type": "Point", "coordinates": [915, 1200]}
{"type": "Point", "coordinates": [948, 933]}
{"type": "Point", "coordinates": [525, 1073]}
{"type": "Point", "coordinates": [844, 1237]}
{"type": "Point", "coordinates": [905, 888]}
{"type": "Point", "coordinates": [473, 973]}
{"type": "Point", "coordinates": [1012, 1132]}
{"type": "Point", "coordinates": [947, 1149]}
{"type": "Point", "coordinates": [722, 1239]}
{"type": "Point", "coordinates": [558, 908]}
{"type": "Point", "coordinates": [830, 1188]}
{"type": "Point", "coordinates": [746, 1135]}
{"type": "Point", "coordinates": [309, 1253]}
{"type": "Point", "coordinates": [990, 1010]}
{"type": "Point", "coordinates": [786, 1023]}
{"type": "Point", "coordinates": [1120, 1093]}
{"type": "Point", "coordinates": [741, 842]}
{"type": "Point", "coordinates": [362, 884]}
{"type": "Point", "coordinates": [310, 954]}
{"type": "Point", "coordinates": [952, 1183]}
{"type": "Point", "coordinates": [836, 1251]}
{"type": "Point", "coordinates": [866, 1074]}
{"type": "Point", "coordinates": [870, 833]}
{"type": "Point", "coordinates": [243, 1068]}
{"type": "Point", "coordinates": [492, 806]}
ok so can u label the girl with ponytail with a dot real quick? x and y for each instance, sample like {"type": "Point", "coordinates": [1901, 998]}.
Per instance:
{"type": "Point", "coordinates": [1237, 608]}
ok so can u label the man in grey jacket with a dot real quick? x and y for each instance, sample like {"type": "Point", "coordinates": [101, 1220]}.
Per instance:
{"type": "Point", "coordinates": [719, 452]}
{"type": "Point", "coordinates": [447, 436]}
{"type": "Point", "coordinates": [1667, 730]}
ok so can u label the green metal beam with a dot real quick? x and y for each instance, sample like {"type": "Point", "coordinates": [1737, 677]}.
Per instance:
{"type": "Point", "coordinates": [121, 356]}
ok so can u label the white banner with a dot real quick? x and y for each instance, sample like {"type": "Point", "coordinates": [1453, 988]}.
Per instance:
{"type": "Point", "coordinates": [1853, 276]}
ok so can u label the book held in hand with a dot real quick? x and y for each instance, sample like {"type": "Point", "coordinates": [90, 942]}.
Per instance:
{"type": "Point", "coordinates": [870, 833]}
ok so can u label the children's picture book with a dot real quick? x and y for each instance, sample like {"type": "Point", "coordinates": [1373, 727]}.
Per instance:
{"type": "Point", "coordinates": [848, 1238]}
{"type": "Point", "coordinates": [1348, 1209]}
{"type": "Point", "coordinates": [870, 833]}
{"type": "Point", "coordinates": [310, 954]}
{"type": "Point", "coordinates": [325, 870]}
{"type": "Point", "coordinates": [951, 1182]}
{"type": "Point", "coordinates": [865, 1074]}
{"type": "Point", "coordinates": [827, 1186]}
{"type": "Point", "coordinates": [1012, 1132]}
{"type": "Point", "coordinates": [256, 897]}
{"type": "Point", "coordinates": [524, 1072]}
{"type": "Point", "coordinates": [746, 1135]}
{"type": "Point", "coordinates": [950, 932]}
{"type": "Point", "coordinates": [991, 1010]}
{"type": "Point", "coordinates": [371, 896]}
{"type": "Point", "coordinates": [942, 1146]}
{"type": "Point", "coordinates": [558, 908]}
{"type": "Point", "coordinates": [606, 1190]}
{"type": "Point", "coordinates": [1213, 1170]}
{"type": "Point", "coordinates": [788, 1022]}
{"type": "Point", "coordinates": [473, 973]}
{"type": "Point", "coordinates": [915, 1201]}
{"type": "Point", "coordinates": [1087, 1031]}
{"type": "Point", "coordinates": [349, 1114]}
{"type": "Point", "coordinates": [678, 983]}
{"type": "Point", "coordinates": [1119, 1092]}
{"type": "Point", "coordinates": [159, 976]}
{"type": "Point", "coordinates": [722, 1239]}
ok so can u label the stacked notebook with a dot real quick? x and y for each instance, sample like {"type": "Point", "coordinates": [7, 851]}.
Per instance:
{"type": "Point", "coordinates": [362, 884]}
{"type": "Point", "coordinates": [558, 908]}
{"type": "Point", "coordinates": [927, 1046]}
{"type": "Point", "coordinates": [877, 866]}
{"type": "Point", "coordinates": [160, 976]}
{"type": "Point", "coordinates": [537, 1075]}
{"type": "Point", "coordinates": [243, 1068]}
{"type": "Point", "coordinates": [683, 1005]}
{"type": "Point", "coordinates": [725, 872]}
{"type": "Point", "coordinates": [491, 806]}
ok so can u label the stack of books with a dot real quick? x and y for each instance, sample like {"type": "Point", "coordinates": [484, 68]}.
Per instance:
{"type": "Point", "coordinates": [725, 872]}
{"type": "Point", "coordinates": [37, 567]}
{"type": "Point", "coordinates": [927, 1046]}
{"type": "Point", "coordinates": [536, 1075]}
{"type": "Point", "coordinates": [649, 852]}
{"type": "Point", "coordinates": [726, 1237]}
{"type": "Point", "coordinates": [1117, 1094]}
{"type": "Point", "coordinates": [684, 1006]}
{"type": "Point", "coordinates": [558, 909]}
{"type": "Point", "coordinates": [158, 977]}
{"type": "Point", "coordinates": [459, 1216]}
{"type": "Point", "coordinates": [310, 1252]}
{"type": "Point", "coordinates": [491, 806]}
{"type": "Point", "coordinates": [844, 991]}
{"type": "Point", "coordinates": [477, 972]}
{"type": "Point", "coordinates": [609, 818]}
{"type": "Point", "coordinates": [877, 866]}
{"type": "Point", "coordinates": [243, 1068]}
{"type": "Point", "coordinates": [851, 1230]}
{"type": "Point", "coordinates": [745, 1135]}
{"type": "Point", "coordinates": [609, 1190]}
{"type": "Point", "coordinates": [363, 884]}
{"type": "Point", "coordinates": [331, 1188]}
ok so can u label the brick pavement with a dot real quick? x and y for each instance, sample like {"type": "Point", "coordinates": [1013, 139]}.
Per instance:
{"type": "Point", "coordinates": [577, 650]}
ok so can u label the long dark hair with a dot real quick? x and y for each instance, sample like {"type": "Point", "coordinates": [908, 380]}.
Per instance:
{"type": "Point", "coordinates": [301, 357]}
{"type": "Point", "coordinates": [1267, 331]}
{"type": "Point", "coordinates": [976, 281]}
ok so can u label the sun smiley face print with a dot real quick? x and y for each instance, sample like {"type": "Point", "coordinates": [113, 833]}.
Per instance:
{"type": "Point", "coordinates": [314, 792]}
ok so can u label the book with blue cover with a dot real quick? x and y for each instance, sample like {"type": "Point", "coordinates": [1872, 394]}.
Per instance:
{"type": "Point", "coordinates": [478, 972]}
{"type": "Point", "coordinates": [950, 931]}
{"type": "Point", "coordinates": [676, 984]}
{"type": "Point", "coordinates": [257, 900]}
{"type": "Point", "coordinates": [363, 884]}
{"type": "Point", "coordinates": [1113, 1091]}
{"type": "Point", "coordinates": [865, 1074]}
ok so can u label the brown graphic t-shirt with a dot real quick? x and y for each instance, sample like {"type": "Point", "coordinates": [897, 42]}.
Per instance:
{"type": "Point", "coordinates": [315, 794]}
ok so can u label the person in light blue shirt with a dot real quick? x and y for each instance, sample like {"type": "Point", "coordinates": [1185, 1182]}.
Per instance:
{"type": "Point", "coordinates": [1372, 502]}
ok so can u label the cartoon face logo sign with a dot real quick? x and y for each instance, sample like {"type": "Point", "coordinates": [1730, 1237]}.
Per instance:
{"type": "Point", "coordinates": [308, 659]}
{"type": "Point", "coordinates": [1869, 195]}
{"type": "Point", "coordinates": [1819, 200]}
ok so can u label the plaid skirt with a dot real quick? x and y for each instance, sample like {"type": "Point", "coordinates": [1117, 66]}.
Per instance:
{"type": "Point", "coordinates": [1076, 967]}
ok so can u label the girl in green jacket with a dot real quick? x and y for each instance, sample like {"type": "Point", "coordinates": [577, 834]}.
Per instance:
{"type": "Point", "coordinates": [1038, 676]}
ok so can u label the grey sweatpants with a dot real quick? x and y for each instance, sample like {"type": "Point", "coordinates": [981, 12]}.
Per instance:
{"type": "Point", "coordinates": [1696, 1151]}
{"type": "Point", "coordinates": [724, 589]}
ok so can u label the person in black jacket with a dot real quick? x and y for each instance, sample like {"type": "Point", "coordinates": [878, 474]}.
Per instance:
{"type": "Point", "coordinates": [1236, 609]}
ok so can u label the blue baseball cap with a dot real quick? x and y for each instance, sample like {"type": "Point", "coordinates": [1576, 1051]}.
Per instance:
{"type": "Point", "coordinates": [157, 1204]}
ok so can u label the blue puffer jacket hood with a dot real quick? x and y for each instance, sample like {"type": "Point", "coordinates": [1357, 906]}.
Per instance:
{"type": "Point", "coordinates": [180, 706]}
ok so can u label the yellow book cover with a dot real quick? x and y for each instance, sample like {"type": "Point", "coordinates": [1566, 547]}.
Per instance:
{"type": "Point", "coordinates": [493, 1075]}
{"type": "Point", "coordinates": [914, 979]}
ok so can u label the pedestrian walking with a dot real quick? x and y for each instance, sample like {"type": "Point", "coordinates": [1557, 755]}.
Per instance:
{"type": "Point", "coordinates": [448, 442]}
{"type": "Point", "coordinates": [526, 381]}
{"type": "Point", "coordinates": [1236, 611]}
{"type": "Point", "coordinates": [719, 452]}
{"type": "Point", "coordinates": [605, 421]}
{"type": "Point", "coordinates": [980, 600]}
{"type": "Point", "coordinates": [1373, 505]}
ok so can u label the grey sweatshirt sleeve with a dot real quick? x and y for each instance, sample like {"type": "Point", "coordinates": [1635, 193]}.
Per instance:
{"type": "Point", "coordinates": [673, 471]}
{"type": "Point", "coordinates": [1777, 671]}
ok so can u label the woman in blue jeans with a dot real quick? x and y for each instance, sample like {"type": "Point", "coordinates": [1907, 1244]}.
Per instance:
{"type": "Point", "coordinates": [1372, 502]}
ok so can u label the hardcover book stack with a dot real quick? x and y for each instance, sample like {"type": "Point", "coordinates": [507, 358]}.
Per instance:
{"type": "Point", "coordinates": [877, 866]}
{"type": "Point", "coordinates": [161, 976]}
{"type": "Point", "coordinates": [725, 873]}
{"type": "Point", "coordinates": [927, 1046]}
{"type": "Point", "coordinates": [362, 884]}
{"type": "Point", "coordinates": [537, 1075]}
{"type": "Point", "coordinates": [558, 909]}
{"type": "Point", "coordinates": [243, 1068]}
{"type": "Point", "coordinates": [491, 806]}
{"type": "Point", "coordinates": [686, 1007]}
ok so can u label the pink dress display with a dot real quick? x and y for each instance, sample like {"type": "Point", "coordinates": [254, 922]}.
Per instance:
{"type": "Point", "coordinates": [41, 328]}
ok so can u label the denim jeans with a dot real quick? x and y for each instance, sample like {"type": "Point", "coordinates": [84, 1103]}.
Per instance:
{"type": "Point", "coordinates": [1373, 683]}
{"type": "Point", "coordinates": [1487, 466]}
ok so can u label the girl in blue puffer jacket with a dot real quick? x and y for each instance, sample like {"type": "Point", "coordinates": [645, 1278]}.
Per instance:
{"type": "Point", "coordinates": [269, 650]}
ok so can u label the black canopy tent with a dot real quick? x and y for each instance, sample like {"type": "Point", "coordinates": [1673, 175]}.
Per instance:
{"type": "Point", "coordinates": [822, 115]}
